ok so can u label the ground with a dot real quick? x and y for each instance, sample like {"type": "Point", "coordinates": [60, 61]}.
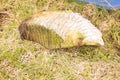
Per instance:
{"type": "Point", "coordinates": [26, 60]}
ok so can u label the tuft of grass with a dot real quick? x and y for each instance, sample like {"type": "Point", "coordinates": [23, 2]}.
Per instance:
{"type": "Point", "coordinates": [30, 61]}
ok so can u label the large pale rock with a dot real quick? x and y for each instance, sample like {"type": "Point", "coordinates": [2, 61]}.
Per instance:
{"type": "Point", "coordinates": [60, 29]}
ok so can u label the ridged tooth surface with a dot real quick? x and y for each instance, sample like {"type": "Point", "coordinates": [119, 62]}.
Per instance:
{"type": "Point", "coordinates": [63, 23]}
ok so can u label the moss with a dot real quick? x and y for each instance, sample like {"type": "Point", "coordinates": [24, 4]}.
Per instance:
{"type": "Point", "coordinates": [45, 37]}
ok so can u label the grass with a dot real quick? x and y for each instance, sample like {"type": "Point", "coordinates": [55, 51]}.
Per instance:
{"type": "Point", "coordinates": [26, 60]}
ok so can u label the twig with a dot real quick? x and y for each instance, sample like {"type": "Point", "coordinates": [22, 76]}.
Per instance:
{"type": "Point", "coordinates": [109, 4]}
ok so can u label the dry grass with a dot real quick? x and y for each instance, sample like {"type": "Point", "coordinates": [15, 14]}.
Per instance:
{"type": "Point", "coordinates": [26, 60]}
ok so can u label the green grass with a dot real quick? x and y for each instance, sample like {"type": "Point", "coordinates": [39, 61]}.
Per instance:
{"type": "Point", "coordinates": [26, 60]}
